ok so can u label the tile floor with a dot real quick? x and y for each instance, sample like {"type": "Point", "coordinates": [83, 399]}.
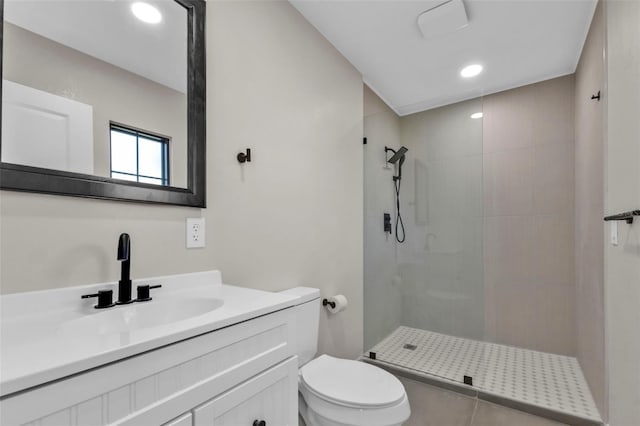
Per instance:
{"type": "Point", "coordinates": [550, 381]}
{"type": "Point", "coordinates": [433, 406]}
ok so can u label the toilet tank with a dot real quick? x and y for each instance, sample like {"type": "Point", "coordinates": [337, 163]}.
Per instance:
{"type": "Point", "coordinates": [307, 311]}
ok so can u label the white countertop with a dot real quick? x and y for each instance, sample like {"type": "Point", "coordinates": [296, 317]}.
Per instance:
{"type": "Point", "coordinates": [36, 348]}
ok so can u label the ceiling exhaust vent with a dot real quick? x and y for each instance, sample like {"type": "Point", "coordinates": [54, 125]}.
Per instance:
{"type": "Point", "coordinates": [445, 18]}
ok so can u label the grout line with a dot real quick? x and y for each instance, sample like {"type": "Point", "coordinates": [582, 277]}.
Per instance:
{"type": "Point", "coordinates": [473, 415]}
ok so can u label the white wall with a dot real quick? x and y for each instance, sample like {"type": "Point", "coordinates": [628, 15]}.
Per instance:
{"type": "Point", "coordinates": [291, 217]}
{"type": "Point", "coordinates": [622, 193]}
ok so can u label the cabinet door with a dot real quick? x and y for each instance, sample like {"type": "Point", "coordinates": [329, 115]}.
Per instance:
{"type": "Point", "coordinates": [271, 396]}
{"type": "Point", "coordinates": [183, 420]}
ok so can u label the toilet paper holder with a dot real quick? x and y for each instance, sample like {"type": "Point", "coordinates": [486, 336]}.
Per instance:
{"type": "Point", "coordinates": [326, 302]}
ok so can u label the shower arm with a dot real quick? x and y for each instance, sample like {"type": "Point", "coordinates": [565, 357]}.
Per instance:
{"type": "Point", "coordinates": [393, 152]}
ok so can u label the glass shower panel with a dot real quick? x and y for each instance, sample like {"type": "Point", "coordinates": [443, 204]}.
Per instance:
{"type": "Point", "coordinates": [441, 262]}
{"type": "Point", "coordinates": [423, 295]}
{"type": "Point", "coordinates": [383, 296]}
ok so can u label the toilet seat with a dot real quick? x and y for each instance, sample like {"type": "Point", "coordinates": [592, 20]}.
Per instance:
{"type": "Point", "coordinates": [344, 392]}
{"type": "Point", "coordinates": [351, 383]}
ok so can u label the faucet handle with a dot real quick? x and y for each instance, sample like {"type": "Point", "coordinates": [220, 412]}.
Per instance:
{"type": "Point", "coordinates": [105, 298]}
{"type": "Point", "coordinates": [144, 292]}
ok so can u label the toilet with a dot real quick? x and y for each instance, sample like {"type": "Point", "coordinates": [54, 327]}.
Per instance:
{"type": "Point", "coordinates": [340, 392]}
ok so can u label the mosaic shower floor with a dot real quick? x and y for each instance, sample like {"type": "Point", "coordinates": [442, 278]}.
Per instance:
{"type": "Point", "coordinates": [550, 381]}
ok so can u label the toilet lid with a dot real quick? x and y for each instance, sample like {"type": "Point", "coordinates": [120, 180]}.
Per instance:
{"type": "Point", "coordinates": [352, 383]}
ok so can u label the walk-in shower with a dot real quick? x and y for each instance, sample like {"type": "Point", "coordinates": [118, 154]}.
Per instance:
{"type": "Point", "coordinates": [459, 302]}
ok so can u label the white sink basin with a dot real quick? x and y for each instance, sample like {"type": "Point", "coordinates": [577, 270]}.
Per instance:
{"type": "Point", "coordinates": [137, 316]}
{"type": "Point", "coordinates": [50, 334]}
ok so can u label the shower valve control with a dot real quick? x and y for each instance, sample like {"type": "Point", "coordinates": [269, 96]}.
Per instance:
{"type": "Point", "coordinates": [387, 223]}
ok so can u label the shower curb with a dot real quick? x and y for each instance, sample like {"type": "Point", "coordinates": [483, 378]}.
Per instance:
{"type": "Point", "coordinates": [483, 395]}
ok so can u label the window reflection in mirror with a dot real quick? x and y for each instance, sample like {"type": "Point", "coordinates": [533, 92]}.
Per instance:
{"type": "Point", "coordinates": [72, 68]}
{"type": "Point", "coordinates": [139, 156]}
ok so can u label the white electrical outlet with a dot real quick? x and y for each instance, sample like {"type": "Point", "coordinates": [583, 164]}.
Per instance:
{"type": "Point", "coordinates": [195, 232]}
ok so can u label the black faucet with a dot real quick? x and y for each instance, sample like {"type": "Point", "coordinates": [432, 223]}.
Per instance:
{"type": "Point", "coordinates": [124, 285]}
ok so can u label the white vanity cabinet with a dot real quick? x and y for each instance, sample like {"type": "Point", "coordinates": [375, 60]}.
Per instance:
{"type": "Point", "coordinates": [184, 420]}
{"type": "Point", "coordinates": [266, 398]}
{"type": "Point", "coordinates": [231, 376]}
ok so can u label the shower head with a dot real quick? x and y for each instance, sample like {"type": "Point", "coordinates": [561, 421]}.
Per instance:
{"type": "Point", "coordinates": [397, 155]}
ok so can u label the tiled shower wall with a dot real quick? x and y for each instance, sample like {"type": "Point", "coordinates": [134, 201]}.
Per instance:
{"type": "Point", "coordinates": [589, 230]}
{"type": "Point", "coordinates": [489, 253]}
{"type": "Point", "coordinates": [528, 194]}
{"type": "Point", "coordinates": [490, 250]}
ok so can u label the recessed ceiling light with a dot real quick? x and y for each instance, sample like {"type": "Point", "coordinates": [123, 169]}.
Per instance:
{"type": "Point", "coordinates": [476, 115]}
{"type": "Point", "coordinates": [471, 71]}
{"type": "Point", "coordinates": [146, 13]}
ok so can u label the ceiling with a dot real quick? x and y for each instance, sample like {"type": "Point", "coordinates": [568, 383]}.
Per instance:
{"type": "Point", "coordinates": [107, 30]}
{"type": "Point", "coordinates": [518, 42]}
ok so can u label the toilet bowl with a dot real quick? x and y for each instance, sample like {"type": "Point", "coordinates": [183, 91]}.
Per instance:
{"type": "Point", "coordinates": [336, 391]}
{"type": "Point", "coordinates": [341, 392]}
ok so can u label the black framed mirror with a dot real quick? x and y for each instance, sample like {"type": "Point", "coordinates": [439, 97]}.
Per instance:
{"type": "Point", "coordinates": [37, 177]}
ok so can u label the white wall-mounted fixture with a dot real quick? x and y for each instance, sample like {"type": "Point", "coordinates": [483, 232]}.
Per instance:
{"type": "Point", "coordinates": [476, 115]}
{"type": "Point", "coordinates": [195, 232]}
{"type": "Point", "coordinates": [471, 70]}
{"type": "Point", "coordinates": [614, 233]}
{"type": "Point", "coordinates": [445, 18]}
{"type": "Point", "coordinates": [146, 13]}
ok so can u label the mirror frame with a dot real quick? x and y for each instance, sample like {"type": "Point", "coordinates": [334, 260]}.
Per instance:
{"type": "Point", "coordinates": [16, 177]}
